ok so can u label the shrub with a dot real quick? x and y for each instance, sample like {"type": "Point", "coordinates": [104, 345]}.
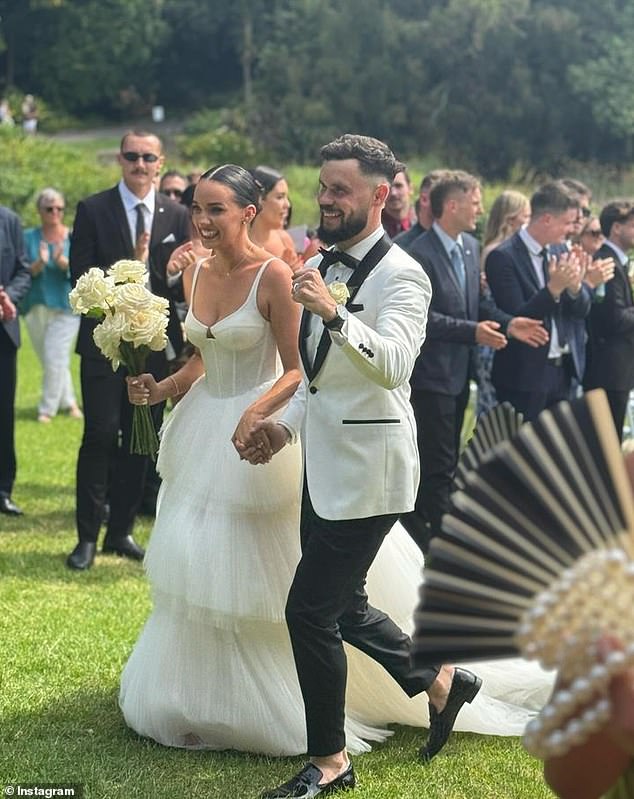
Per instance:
{"type": "Point", "coordinates": [30, 163]}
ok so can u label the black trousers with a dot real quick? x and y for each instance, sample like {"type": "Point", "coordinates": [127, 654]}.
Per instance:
{"type": "Point", "coordinates": [618, 406]}
{"type": "Point", "coordinates": [553, 387]}
{"type": "Point", "coordinates": [8, 373]}
{"type": "Point", "coordinates": [439, 419]}
{"type": "Point", "coordinates": [105, 468]}
{"type": "Point", "coordinates": [327, 605]}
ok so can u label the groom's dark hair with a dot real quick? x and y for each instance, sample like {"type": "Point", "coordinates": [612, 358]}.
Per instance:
{"type": "Point", "coordinates": [374, 157]}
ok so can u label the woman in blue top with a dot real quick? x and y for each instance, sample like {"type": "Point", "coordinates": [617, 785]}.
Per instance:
{"type": "Point", "coordinates": [51, 324]}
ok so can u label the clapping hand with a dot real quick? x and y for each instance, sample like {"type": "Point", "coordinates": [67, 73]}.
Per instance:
{"type": "Point", "coordinates": [184, 256]}
{"type": "Point", "coordinates": [599, 272]}
{"type": "Point", "coordinates": [142, 247]}
{"type": "Point", "coordinates": [488, 335]}
{"type": "Point", "coordinates": [529, 331]}
{"type": "Point", "coordinates": [8, 311]}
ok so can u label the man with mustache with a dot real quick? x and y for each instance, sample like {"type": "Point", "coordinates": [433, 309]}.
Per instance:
{"type": "Point", "coordinates": [361, 460]}
{"type": "Point", "coordinates": [130, 220]}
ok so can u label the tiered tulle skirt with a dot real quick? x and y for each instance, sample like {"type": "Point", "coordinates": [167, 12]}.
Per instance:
{"type": "Point", "coordinates": [213, 666]}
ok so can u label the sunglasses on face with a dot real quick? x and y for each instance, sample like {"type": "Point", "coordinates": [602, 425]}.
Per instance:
{"type": "Point", "coordinates": [596, 234]}
{"type": "Point", "coordinates": [148, 158]}
{"type": "Point", "coordinates": [50, 208]}
{"type": "Point", "coordinates": [585, 212]}
{"type": "Point", "coordinates": [172, 193]}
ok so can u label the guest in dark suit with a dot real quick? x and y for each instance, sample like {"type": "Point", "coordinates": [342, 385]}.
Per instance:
{"type": "Point", "coordinates": [424, 218]}
{"type": "Point", "coordinates": [398, 214]}
{"type": "Point", "coordinates": [15, 279]}
{"type": "Point", "coordinates": [460, 317]}
{"type": "Point", "coordinates": [610, 352]}
{"type": "Point", "coordinates": [131, 220]}
{"type": "Point", "coordinates": [525, 277]}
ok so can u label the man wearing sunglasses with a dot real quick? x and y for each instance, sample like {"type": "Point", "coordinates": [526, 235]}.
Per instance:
{"type": "Point", "coordinates": [173, 184]}
{"type": "Point", "coordinates": [130, 220]}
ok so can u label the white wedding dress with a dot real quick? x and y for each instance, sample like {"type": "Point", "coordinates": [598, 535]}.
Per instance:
{"type": "Point", "coordinates": [213, 666]}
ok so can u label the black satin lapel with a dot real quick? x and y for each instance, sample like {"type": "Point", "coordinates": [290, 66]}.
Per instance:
{"type": "Point", "coordinates": [304, 329]}
{"type": "Point", "coordinates": [356, 280]}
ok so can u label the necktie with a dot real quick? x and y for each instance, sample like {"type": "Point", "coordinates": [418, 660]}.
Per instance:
{"type": "Point", "coordinates": [140, 222]}
{"type": "Point", "coordinates": [457, 262]}
{"type": "Point", "coordinates": [545, 256]}
{"type": "Point", "coordinates": [330, 257]}
{"type": "Point", "coordinates": [556, 317]}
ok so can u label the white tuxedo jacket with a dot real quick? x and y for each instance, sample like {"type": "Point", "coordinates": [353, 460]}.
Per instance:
{"type": "Point", "coordinates": [354, 417]}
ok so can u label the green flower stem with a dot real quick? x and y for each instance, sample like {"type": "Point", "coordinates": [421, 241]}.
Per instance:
{"type": "Point", "coordinates": [144, 440]}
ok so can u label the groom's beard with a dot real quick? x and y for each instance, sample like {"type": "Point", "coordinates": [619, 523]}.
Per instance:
{"type": "Point", "coordinates": [346, 229]}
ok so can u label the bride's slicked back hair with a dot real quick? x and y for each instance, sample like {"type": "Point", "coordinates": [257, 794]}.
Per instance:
{"type": "Point", "coordinates": [244, 187]}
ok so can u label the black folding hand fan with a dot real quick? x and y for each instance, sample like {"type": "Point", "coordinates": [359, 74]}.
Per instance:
{"type": "Point", "coordinates": [535, 559]}
{"type": "Point", "coordinates": [496, 425]}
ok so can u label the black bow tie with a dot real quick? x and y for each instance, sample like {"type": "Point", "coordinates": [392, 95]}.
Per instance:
{"type": "Point", "coordinates": [330, 257]}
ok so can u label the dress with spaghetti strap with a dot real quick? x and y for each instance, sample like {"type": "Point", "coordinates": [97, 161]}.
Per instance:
{"type": "Point", "coordinates": [213, 667]}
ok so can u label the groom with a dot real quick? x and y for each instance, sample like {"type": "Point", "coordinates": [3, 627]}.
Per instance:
{"type": "Point", "coordinates": [361, 468]}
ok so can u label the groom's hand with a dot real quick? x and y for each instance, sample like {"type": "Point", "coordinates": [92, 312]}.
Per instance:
{"type": "Point", "coordinates": [268, 438]}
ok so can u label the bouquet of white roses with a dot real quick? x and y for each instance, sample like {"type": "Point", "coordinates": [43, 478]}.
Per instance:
{"type": "Point", "coordinates": [132, 321]}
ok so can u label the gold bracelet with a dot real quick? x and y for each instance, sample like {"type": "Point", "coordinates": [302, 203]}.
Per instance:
{"type": "Point", "coordinates": [173, 379]}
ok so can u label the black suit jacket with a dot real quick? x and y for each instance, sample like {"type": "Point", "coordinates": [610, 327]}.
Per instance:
{"type": "Point", "coordinates": [515, 289]}
{"type": "Point", "coordinates": [610, 353]}
{"type": "Point", "coordinates": [15, 272]}
{"type": "Point", "coordinates": [447, 358]}
{"type": "Point", "coordinates": [101, 236]}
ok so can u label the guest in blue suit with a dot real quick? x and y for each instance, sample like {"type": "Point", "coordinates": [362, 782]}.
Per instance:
{"type": "Point", "coordinates": [533, 275]}
{"type": "Point", "coordinates": [15, 279]}
{"type": "Point", "coordinates": [460, 317]}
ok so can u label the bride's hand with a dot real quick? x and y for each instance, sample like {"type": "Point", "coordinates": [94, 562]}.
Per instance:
{"type": "Point", "coordinates": [251, 443]}
{"type": "Point", "coordinates": [143, 390]}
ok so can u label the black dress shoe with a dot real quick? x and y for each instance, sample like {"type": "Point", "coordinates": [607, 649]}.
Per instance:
{"type": "Point", "coordinates": [306, 784]}
{"type": "Point", "coordinates": [7, 505]}
{"type": "Point", "coordinates": [464, 687]}
{"type": "Point", "coordinates": [125, 547]}
{"type": "Point", "coordinates": [82, 556]}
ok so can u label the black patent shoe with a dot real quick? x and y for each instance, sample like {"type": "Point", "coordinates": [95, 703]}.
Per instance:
{"type": "Point", "coordinates": [125, 547]}
{"type": "Point", "coordinates": [464, 687]}
{"type": "Point", "coordinates": [82, 556]}
{"type": "Point", "coordinates": [306, 784]}
{"type": "Point", "coordinates": [8, 506]}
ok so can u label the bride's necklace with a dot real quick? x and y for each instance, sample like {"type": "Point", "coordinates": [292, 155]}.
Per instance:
{"type": "Point", "coordinates": [223, 272]}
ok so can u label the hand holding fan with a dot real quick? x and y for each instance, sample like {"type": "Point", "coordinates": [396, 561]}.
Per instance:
{"type": "Point", "coordinates": [536, 559]}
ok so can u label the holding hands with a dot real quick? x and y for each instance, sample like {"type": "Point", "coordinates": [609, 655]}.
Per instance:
{"type": "Point", "coordinates": [265, 440]}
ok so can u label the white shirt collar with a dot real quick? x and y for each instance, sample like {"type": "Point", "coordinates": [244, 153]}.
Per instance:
{"type": "Point", "coordinates": [363, 247]}
{"type": "Point", "coordinates": [534, 247]}
{"type": "Point", "coordinates": [622, 256]}
{"type": "Point", "coordinates": [130, 201]}
{"type": "Point", "coordinates": [446, 240]}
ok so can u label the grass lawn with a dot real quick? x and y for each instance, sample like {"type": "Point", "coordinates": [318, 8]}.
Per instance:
{"type": "Point", "coordinates": [66, 636]}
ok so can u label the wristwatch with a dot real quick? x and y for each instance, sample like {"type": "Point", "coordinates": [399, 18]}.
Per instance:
{"type": "Point", "coordinates": [336, 323]}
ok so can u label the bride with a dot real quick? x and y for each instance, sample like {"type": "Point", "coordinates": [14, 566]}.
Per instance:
{"type": "Point", "coordinates": [213, 666]}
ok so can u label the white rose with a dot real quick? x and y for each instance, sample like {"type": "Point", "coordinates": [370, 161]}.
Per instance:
{"type": "Point", "coordinates": [128, 272]}
{"type": "Point", "coordinates": [339, 292]}
{"type": "Point", "coordinates": [107, 336]}
{"type": "Point", "coordinates": [93, 293]}
{"type": "Point", "coordinates": [130, 298]}
{"type": "Point", "coordinates": [145, 328]}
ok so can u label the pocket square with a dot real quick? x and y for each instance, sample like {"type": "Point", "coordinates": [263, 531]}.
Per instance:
{"type": "Point", "coordinates": [354, 308]}
{"type": "Point", "coordinates": [168, 239]}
